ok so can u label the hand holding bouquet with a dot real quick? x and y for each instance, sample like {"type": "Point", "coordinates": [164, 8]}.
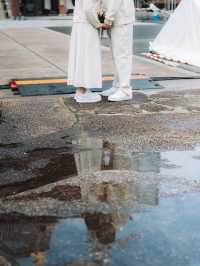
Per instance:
{"type": "Point", "coordinates": [101, 17]}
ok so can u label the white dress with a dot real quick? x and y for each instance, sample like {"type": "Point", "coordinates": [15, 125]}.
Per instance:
{"type": "Point", "coordinates": [84, 67]}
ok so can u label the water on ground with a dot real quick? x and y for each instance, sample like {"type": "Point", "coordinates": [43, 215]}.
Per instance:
{"type": "Point", "coordinates": [103, 207]}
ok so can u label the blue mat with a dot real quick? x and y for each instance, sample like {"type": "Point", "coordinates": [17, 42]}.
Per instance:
{"type": "Point", "coordinates": [53, 89]}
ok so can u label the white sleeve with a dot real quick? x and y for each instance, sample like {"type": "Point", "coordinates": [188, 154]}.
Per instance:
{"type": "Point", "coordinates": [113, 7]}
{"type": "Point", "coordinates": [91, 13]}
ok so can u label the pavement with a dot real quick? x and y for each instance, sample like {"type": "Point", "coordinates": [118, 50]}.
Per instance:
{"type": "Point", "coordinates": [30, 50]}
{"type": "Point", "coordinates": [101, 164]}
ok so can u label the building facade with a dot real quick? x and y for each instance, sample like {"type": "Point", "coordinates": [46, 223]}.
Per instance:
{"type": "Point", "coordinates": [41, 7]}
{"type": "Point", "coordinates": [62, 7]}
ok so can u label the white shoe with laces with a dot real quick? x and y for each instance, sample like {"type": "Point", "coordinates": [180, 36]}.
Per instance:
{"type": "Point", "coordinates": [87, 97]}
{"type": "Point", "coordinates": [120, 95]}
{"type": "Point", "coordinates": [108, 92]}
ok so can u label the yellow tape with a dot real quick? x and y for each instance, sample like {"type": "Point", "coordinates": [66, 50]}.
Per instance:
{"type": "Point", "coordinates": [41, 81]}
{"type": "Point", "coordinates": [62, 81]}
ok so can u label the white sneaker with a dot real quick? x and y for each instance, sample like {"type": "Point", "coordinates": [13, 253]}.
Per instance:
{"type": "Point", "coordinates": [108, 92]}
{"type": "Point", "coordinates": [88, 97]}
{"type": "Point", "coordinates": [120, 96]}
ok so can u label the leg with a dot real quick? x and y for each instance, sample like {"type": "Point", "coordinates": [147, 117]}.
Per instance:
{"type": "Point", "coordinates": [115, 83]}
{"type": "Point", "coordinates": [122, 45]}
{"type": "Point", "coordinates": [116, 74]}
{"type": "Point", "coordinates": [81, 90]}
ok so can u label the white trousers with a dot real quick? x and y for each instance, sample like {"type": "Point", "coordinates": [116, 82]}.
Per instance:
{"type": "Point", "coordinates": [121, 38]}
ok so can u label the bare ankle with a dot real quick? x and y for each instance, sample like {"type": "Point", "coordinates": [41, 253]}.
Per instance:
{"type": "Point", "coordinates": [81, 90]}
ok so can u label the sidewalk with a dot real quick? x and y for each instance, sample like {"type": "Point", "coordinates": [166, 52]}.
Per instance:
{"type": "Point", "coordinates": [44, 21]}
{"type": "Point", "coordinates": [37, 52]}
{"type": "Point", "coordinates": [35, 23]}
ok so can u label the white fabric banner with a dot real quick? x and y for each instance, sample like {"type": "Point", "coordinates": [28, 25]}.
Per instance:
{"type": "Point", "coordinates": [179, 39]}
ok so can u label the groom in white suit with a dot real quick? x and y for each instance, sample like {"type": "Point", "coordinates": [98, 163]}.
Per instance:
{"type": "Point", "coordinates": [119, 17]}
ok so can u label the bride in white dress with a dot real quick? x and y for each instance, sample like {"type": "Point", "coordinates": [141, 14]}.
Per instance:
{"type": "Point", "coordinates": [84, 68]}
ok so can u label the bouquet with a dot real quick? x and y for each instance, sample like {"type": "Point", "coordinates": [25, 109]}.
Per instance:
{"type": "Point", "coordinates": [101, 15]}
{"type": "Point", "coordinates": [101, 18]}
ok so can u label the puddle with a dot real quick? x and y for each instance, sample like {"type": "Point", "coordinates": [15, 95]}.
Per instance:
{"type": "Point", "coordinates": [166, 234]}
{"type": "Point", "coordinates": [107, 156]}
{"type": "Point", "coordinates": [88, 208]}
{"type": "Point", "coordinates": [181, 163]}
{"type": "Point", "coordinates": [36, 168]}
{"type": "Point", "coordinates": [87, 155]}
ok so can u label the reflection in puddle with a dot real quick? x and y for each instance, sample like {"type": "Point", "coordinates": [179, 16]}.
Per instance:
{"type": "Point", "coordinates": [104, 155]}
{"type": "Point", "coordinates": [187, 163]}
{"type": "Point", "coordinates": [109, 217]}
{"type": "Point", "coordinates": [35, 170]}
{"type": "Point", "coordinates": [160, 236]}
{"type": "Point", "coordinates": [45, 167]}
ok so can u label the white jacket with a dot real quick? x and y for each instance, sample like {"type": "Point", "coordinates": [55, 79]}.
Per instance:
{"type": "Point", "coordinates": [119, 12]}
{"type": "Point", "coordinates": [86, 12]}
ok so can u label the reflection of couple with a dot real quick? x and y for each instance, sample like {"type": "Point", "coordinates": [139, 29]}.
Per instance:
{"type": "Point", "coordinates": [84, 69]}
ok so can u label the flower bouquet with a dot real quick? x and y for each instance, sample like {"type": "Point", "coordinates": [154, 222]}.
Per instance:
{"type": "Point", "coordinates": [101, 18]}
